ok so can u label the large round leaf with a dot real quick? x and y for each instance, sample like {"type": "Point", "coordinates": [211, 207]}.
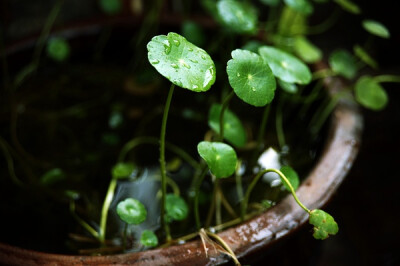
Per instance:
{"type": "Point", "coordinates": [251, 78]}
{"type": "Point", "coordinates": [240, 17]}
{"type": "Point", "coordinates": [176, 208]}
{"type": "Point", "coordinates": [220, 158]}
{"type": "Point", "coordinates": [131, 211]}
{"type": "Point", "coordinates": [324, 224]}
{"type": "Point", "coordinates": [234, 131]}
{"type": "Point", "coordinates": [180, 61]}
{"type": "Point", "coordinates": [343, 63]}
{"type": "Point", "coordinates": [376, 28]}
{"type": "Point", "coordinates": [285, 66]}
{"type": "Point", "coordinates": [370, 94]}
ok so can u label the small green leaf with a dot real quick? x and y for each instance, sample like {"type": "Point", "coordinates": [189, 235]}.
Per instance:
{"type": "Point", "coordinates": [288, 87]}
{"type": "Point", "coordinates": [240, 17]}
{"type": "Point", "coordinates": [110, 7]}
{"type": "Point", "coordinates": [343, 63]}
{"type": "Point", "coordinates": [149, 239]}
{"type": "Point", "coordinates": [370, 94]}
{"type": "Point", "coordinates": [176, 208]}
{"type": "Point", "coordinates": [58, 49]}
{"type": "Point", "coordinates": [376, 28]}
{"type": "Point", "coordinates": [52, 176]}
{"type": "Point", "coordinates": [324, 224]}
{"type": "Point", "coordinates": [349, 6]}
{"type": "Point", "coordinates": [220, 158]}
{"type": "Point", "coordinates": [72, 194]}
{"type": "Point", "coordinates": [193, 33]}
{"type": "Point", "coordinates": [234, 131]}
{"type": "Point", "coordinates": [270, 2]}
{"type": "Point", "coordinates": [292, 176]}
{"type": "Point", "coordinates": [131, 211]}
{"type": "Point", "coordinates": [285, 66]}
{"type": "Point", "coordinates": [301, 6]}
{"type": "Point", "coordinates": [123, 170]}
{"type": "Point", "coordinates": [252, 46]}
{"type": "Point", "coordinates": [181, 62]}
{"type": "Point", "coordinates": [364, 56]}
{"type": "Point", "coordinates": [251, 78]}
{"type": "Point", "coordinates": [306, 50]}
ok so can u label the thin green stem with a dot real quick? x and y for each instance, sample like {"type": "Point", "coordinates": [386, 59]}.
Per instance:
{"type": "Point", "coordinates": [225, 246]}
{"type": "Point", "coordinates": [84, 224]}
{"type": "Point", "coordinates": [311, 97]}
{"type": "Point", "coordinates": [10, 163]}
{"type": "Point", "coordinates": [257, 178]}
{"type": "Point", "coordinates": [199, 181]}
{"type": "Point", "coordinates": [162, 163]}
{"type": "Point", "coordinates": [387, 78]}
{"type": "Point", "coordinates": [239, 191]}
{"type": "Point", "coordinates": [106, 206]}
{"type": "Point", "coordinates": [225, 105]}
{"type": "Point", "coordinates": [279, 125]}
{"type": "Point", "coordinates": [324, 25]}
{"type": "Point", "coordinates": [261, 131]}
{"type": "Point", "coordinates": [323, 73]}
{"type": "Point", "coordinates": [218, 217]}
{"type": "Point", "coordinates": [125, 236]}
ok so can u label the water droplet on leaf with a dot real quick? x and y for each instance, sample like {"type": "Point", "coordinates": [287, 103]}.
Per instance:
{"type": "Point", "coordinates": [155, 61]}
{"type": "Point", "coordinates": [176, 42]}
{"type": "Point", "coordinates": [167, 46]}
{"type": "Point", "coordinates": [174, 65]}
{"type": "Point", "coordinates": [193, 60]}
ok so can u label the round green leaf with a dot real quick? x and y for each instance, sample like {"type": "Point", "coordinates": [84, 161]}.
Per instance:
{"type": "Point", "coordinates": [176, 208]}
{"type": "Point", "coordinates": [285, 66]}
{"type": "Point", "coordinates": [343, 63]}
{"type": "Point", "coordinates": [301, 6]}
{"type": "Point", "coordinates": [110, 7]}
{"type": "Point", "coordinates": [220, 158]}
{"type": "Point", "coordinates": [252, 46]}
{"type": "Point", "coordinates": [240, 17]}
{"type": "Point", "coordinates": [131, 211]}
{"type": "Point", "coordinates": [376, 28]}
{"type": "Point", "coordinates": [148, 239]}
{"type": "Point", "coordinates": [251, 78]}
{"type": "Point", "coordinates": [307, 51]}
{"type": "Point", "coordinates": [288, 87]}
{"type": "Point", "coordinates": [364, 56]}
{"type": "Point", "coordinates": [122, 170]}
{"type": "Point", "coordinates": [370, 94]}
{"type": "Point", "coordinates": [234, 131]}
{"type": "Point", "coordinates": [291, 175]}
{"type": "Point", "coordinates": [349, 6]}
{"type": "Point", "coordinates": [58, 49]}
{"type": "Point", "coordinates": [52, 176]}
{"type": "Point", "coordinates": [324, 224]}
{"type": "Point", "coordinates": [193, 33]}
{"type": "Point", "coordinates": [181, 62]}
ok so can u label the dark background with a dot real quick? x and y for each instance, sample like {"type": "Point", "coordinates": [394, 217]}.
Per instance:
{"type": "Point", "coordinates": [366, 204]}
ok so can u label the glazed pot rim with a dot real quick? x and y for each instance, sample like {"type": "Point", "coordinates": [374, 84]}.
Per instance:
{"type": "Point", "coordinates": [259, 232]}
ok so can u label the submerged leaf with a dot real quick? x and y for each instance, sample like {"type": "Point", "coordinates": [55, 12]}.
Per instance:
{"type": "Point", "coordinates": [58, 49]}
{"type": "Point", "coordinates": [220, 158]}
{"type": "Point", "coordinates": [324, 224]}
{"type": "Point", "coordinates": [240, 17]}
{"type": "Point", "coordinates": [234, 131]}
{"type": "Point", "coordinates": [251, 78]}
{"type": "Point", "coordinates": [370, 94]}
{"type": "Point", "coordinates": [176, 208]}
{"type": "Point", "coordinates": [110, 7]}
{"type": "Point", "coordinates": [285, 66]}
{"type": "Point", "coordinates": [292, 176]}
{"type": "Point", "coordinates": [52, 176]}
{"type": "Point", "coordinates": [148, 239]}
{"type": "Point", "coordinates": [131, 211]}
{"type": "Point", "coordinates": [122, 170]}
{"type": "Point", "coordinates": [181, 62]}
{"type": "Point", "coordinates": [376, 28]}
{"type": "Point", "coordinates": [343, 63]}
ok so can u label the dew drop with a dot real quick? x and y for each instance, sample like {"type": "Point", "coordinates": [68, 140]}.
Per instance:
{"type": "Point", "coordinates": [174, 65]}
{"type": "Point", "coordinates": [193, 60]}
{"type": "Point", "coordinates": [154, 61]}
{"type": "Point", "coordinates": [253, 89]}
{"type": "Point", "coordinates": [195, 87]}
{"type": "Point", "coordinates": [190, 49]}
{"type": "Point", "coordinates": [176, 42]}
{"type": "Point", "coordinates": [238, 74]}
{"type": "Point", "coordinates": [208, 76]}
{"type": "Point", "coordinates": [167, 46]}
{"type": "Point", "coordinates": [203, 57]}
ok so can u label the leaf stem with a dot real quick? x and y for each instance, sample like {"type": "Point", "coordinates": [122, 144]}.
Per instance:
{"type": "Point", "coordinates": [279, 125]}
{"type": "Point", "coordinates": [225, 246]}
{"type": "Point", "coordinates": [387, 78]}
{"type": "Point", "coordinates": [106, 206]}
{"type": "Point", "coordinates": [225, 105]}
{"type": "Point", "coordinates": [84, 224]}
{"type": "Point", "coordinates": [10, 163]}
{"type": "Point", "coordinates": [323, 73]}
{"type": "Point", "coordinates": [196, 197]}
{"type": "Point", "coordinates": [162, 162]}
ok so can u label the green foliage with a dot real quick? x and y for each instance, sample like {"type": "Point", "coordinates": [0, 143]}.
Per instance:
{"type": "Point", "coordinates": [181, 62]}
{"type": "Point", "coordinates": [251, 78]}
{"type": "Point", "coordinates": [148, 239]}
{"type": "Point", "coordinates": [52, 176]}
{"type": "Point", "coordinates": [343, 63]}
{"type": "Point", "coordinates": [176, 208]}
{"type": "Point", "coordinates": [285, 66]}
{"type": "Point", "coordinates": [376, 28]}
{"type": "Point", "coordinates": [220, 158]}
{"type": "Point", "coordinates": [370, 94]}
{"type": "Point", "coordinates": [364, 56]}
{"type": "Point", "coordinates": [252, 46]}
{"type": "Point", "coordinates": [110, 7]}
{"type": "Point", "coordinates": [288, 87]}
{"type": "Point", "coordinates": [324, 224]}
{"type": "Point", "coordinates": [240, 17]}
{"type": "Point", "coordinates": [302, 6]}
{"type": "Point", "coordinates": [270, 2]}
{"type": "Point", "coordinates": [122, 170]}
{"type": "Point", "coordinates": [234, 131]}
{"type": "Point", "coordinates": [58, 49]}
{"type": "Point", "coordinates": [131, 211]}
{"type": "Point", "coordinates": [307, 51]}
{"type": "Point", "coordinates": [349, 6]}
{"type": "Point", "coordinates": [292, 176]}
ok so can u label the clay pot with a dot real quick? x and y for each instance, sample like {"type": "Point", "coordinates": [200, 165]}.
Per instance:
{"type": "Point", "coordinates": [255, 234]}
